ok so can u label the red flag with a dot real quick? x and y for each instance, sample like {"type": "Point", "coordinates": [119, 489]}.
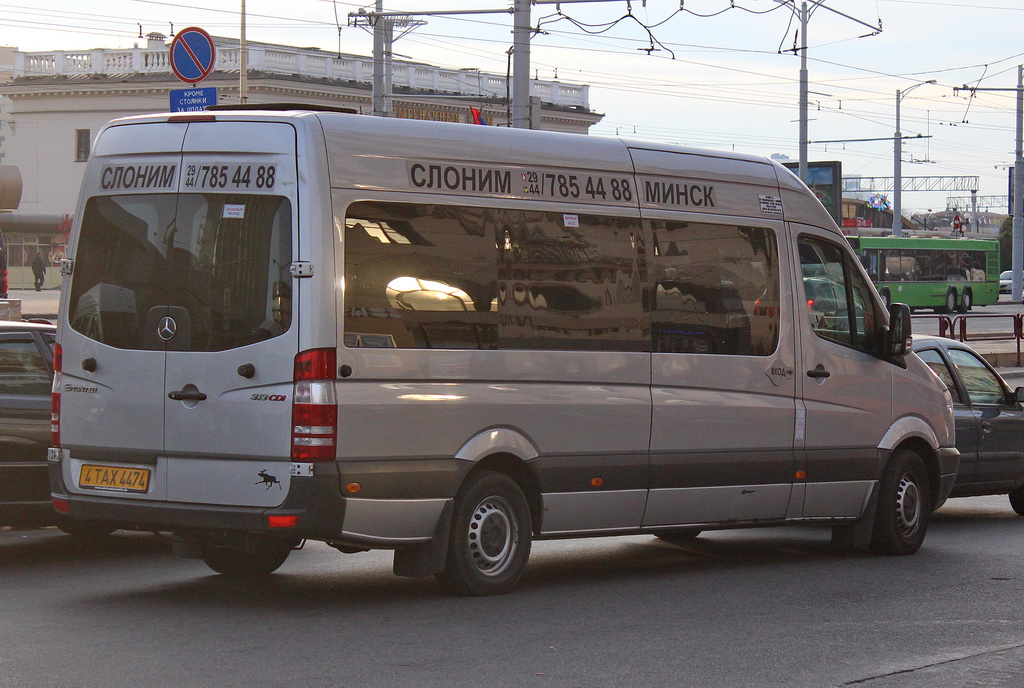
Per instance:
{"type": "Point", "coordinates": [477, 116]}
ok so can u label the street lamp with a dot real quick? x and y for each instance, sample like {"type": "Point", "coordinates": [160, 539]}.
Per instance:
{"type": "Point", "coordinates": [897, 211]}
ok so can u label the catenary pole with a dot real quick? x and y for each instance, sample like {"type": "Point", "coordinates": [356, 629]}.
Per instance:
{"type": "Point", "coordinates": [521, 65]}
{"type": "Point", "coordinates": [1018, 191]}
{"type": "Point", "coordinates": [243, 63]}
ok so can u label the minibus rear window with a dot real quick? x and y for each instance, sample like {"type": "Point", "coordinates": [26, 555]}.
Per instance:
{"type": "Point", "coordinates": [219, 263]}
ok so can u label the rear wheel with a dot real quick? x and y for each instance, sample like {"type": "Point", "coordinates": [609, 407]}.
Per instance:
{"type": "Point", "coordinates": [904, 505]}
{"type": "Point", "coordinates": [966, 301]}
{"type": "Point", "coordinates": [490, 538]}
{"type": "Point", "coordinates": [253, 560]}
{"type": "Point", "coordinates": [1017, 500]}
{"type": "Point", "coordinates": [679, 537]}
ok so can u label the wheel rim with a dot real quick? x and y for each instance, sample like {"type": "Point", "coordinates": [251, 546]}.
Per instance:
{"type": "Point", "coordinates": [493, 536]}
{"type": "Point", "coordinates": [967, 302]}
{"type": "Point", "coordinates": [908, 506]}
{"type": "Point", "coordinates": [950, 301]}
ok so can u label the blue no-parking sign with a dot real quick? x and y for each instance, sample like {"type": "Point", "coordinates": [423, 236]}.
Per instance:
{"type": "Point", "coordinates": [192, 55]}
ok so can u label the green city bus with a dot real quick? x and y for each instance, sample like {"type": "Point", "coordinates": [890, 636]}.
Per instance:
{"type": "Point", "coordinates": [926, 272]}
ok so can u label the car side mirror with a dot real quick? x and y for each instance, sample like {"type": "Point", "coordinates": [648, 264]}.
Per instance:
{"type": "Point", "coordinates": [1018, 394]}
{"type": "Point", "coordinates": [898, 339]}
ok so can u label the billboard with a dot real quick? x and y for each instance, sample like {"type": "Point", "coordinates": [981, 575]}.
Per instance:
{"type": "Point", "coordinates": [826, 181]}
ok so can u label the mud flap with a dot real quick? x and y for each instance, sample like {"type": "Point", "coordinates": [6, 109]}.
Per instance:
{"type": "Point", "coordinates": [419, 561]}
{"type": "Point", "coordinates": [857, 535]}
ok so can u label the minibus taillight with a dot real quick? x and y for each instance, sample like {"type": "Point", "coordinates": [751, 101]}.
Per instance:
{"type": "Point", "coordinates": [58, 363]}
{"type": "Point", "coordinates": [314, 406]}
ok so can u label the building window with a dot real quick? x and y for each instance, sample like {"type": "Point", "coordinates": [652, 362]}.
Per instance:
{"type": "Point", "coordinates": [82, 143]}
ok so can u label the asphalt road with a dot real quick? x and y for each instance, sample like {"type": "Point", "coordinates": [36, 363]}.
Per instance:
{"type": "Point", "coordinates": [756, 608]}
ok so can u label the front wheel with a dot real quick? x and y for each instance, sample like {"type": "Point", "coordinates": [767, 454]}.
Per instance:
{"type": "Point", "coordinates": [490, 538]}
{"type": "Point", "coordinates": [254, 560]}
{"type": "Point", "coordinates": [951, 301]}
{"type": "Point", "coordinates": [904, 505]}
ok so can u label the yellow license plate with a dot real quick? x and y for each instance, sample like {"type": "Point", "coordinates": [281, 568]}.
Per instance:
{"type": "Point", "coordinates": [114, 478]}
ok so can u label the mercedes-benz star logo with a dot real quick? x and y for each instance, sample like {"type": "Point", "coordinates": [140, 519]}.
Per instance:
{"type": "Point", "coordinates": [167, 328]}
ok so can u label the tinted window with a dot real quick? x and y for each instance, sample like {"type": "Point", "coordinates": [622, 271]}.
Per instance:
{"type": "Point", "coordinates": [935, 361]}
{"type": "Point", "coordinates": [715, 289]}
{"type": "Point", "coordinates": [23, 370]}
{"type": "Point", "coordinates": [834, 290]}
{"type": "Point", "coordinates": [983, 387]}
{"type": "Point", "coordinates": [217, 263]}
{"type": "Point", "coordinates": [440, 276]}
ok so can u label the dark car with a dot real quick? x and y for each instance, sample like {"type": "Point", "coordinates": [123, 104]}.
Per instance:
{"type": "Point", "coordinates": [989, 420]}
{"type": "Point", "coordinates": [26, 373]}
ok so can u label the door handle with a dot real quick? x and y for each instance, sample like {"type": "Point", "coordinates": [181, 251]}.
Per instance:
{"type": "Point", "coordinates": [182, 395]}
{"type": "Point", "coordinates": [986, 426]}
{"type": "Point", "coordinates": [818, 373]}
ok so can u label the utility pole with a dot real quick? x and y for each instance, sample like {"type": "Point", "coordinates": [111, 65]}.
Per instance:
{"type": "Point", "coordinates": [243, 63]}
{"type": "Point", "coordinates": [897, 161]}
{"type": "Point", "coordinates": [383, 25]}
{"type": "Point", "coordinates": [1017, 263]}
{"type": "Point", "coordinates": [379, 51]}
{"type": "Point", "coordinates": [521, 66]}
{"type": "Point", "coordinates": [804, 15]}
{"type": "Point", "coordinates": [520, 49]}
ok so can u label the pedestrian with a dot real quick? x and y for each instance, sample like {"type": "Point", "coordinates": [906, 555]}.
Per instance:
{"type": "Point", "coordinates": [39, 270]}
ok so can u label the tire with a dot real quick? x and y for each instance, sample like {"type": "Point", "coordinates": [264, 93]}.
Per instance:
{"type": "Point", "coordinates": [679, 537]}
{"type": "Point", "coordinates": [886, 298]}
{"type": "Point", "coordinates": [85, 530]}
{"type": "Point", "coordinates": [951, 301]}
{"type": "Point", "coordinates": [904, 506]}
{"type": "Point", "coordinates": [252, 561]}
{"type": "Point", "coordinates": [490, 539]}
{"type": "Point", "coordinates": [966, 301]}
{"type": "Point", "coordinates": [1017, 500]}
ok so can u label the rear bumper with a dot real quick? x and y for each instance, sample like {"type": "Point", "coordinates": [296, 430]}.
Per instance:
{"type": "Point", "coordinates": [396, 508]}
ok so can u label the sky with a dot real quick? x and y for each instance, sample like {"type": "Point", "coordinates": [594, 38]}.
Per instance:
{"type": "Point", "coordinates": [718, 74]}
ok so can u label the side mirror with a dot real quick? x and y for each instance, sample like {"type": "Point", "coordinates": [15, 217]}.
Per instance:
{"type": "Point", "coordinates": [1018, 394]}
{"type": "Point", "coordinates": [898, 339]}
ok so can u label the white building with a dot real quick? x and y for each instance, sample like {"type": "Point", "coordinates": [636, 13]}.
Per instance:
{"type": "Point", "coordinates": [52, 104]}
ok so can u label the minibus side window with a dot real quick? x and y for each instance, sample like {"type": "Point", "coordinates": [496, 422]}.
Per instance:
{"type": "Point", "coordinates": [427, 276]}
{"type": "Point", "coordinates": [715, 289]}
{"type": "Point", "coordinates": [420, 276]}
{"type": "Point", "coordinates": [834, 290]}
